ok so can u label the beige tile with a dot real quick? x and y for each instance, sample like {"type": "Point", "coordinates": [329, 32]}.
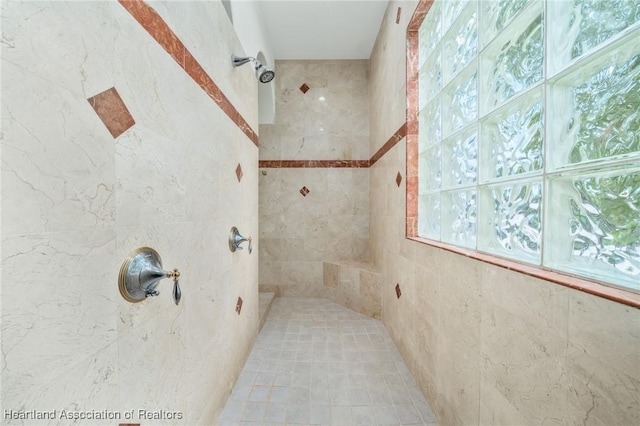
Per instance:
{"type": "Point", "coordinates": [604, 360]}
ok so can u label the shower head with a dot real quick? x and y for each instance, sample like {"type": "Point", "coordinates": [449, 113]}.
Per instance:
{"type": "Point", "coordinates": [263, 74]}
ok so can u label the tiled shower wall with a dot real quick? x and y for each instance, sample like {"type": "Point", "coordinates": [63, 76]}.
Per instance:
{"type": "Point", "coordinates": [488, 345]}
{"type": "Point", "coordinates": [314, 184]}
{"type": "Point", "coordinates": [80, 190]}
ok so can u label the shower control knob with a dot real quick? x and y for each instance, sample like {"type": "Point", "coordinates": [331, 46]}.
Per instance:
{"type": "Point", "coordinates": [177, 293]}
{"type": "Point", "coordinates": [141, 273]}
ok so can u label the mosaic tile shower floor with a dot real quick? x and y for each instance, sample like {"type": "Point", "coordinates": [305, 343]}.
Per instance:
{"type": "Point", "coordinates": [318, 363]}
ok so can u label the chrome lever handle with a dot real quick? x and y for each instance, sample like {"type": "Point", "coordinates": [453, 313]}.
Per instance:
{"type": "Point", "coordinates": [177, 293]}
{"type": "Point", "coordinates": [235, 239]}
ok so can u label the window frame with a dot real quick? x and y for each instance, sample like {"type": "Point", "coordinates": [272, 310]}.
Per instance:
{"type": "Point", "coordinates": [591, 286]}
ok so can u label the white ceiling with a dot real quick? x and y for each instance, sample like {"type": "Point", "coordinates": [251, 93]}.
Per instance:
{"type": "Point", "coordinates": [322, 29]}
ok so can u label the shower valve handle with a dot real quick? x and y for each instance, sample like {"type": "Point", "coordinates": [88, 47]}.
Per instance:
{"type": "Point", "coordinates": [177, 293]}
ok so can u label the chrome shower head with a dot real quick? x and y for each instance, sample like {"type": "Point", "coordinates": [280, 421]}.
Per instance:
{"type": "Point", "coordinates": [263, 74]}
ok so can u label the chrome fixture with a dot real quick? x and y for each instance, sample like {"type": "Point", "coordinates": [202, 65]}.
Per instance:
{"type": "Point", "coordinates": [140, 274]}
{"type": "Point", "coordinates": [263, 74]}
{"type": "Point", "coordinates": [235, 239]}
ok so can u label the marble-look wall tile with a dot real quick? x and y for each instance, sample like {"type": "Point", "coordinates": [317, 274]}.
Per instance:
{"type": "Point", "coordinates": [76, 202]}
{"type": "Point", "coordinates": [56, 310]}
{"type": "Point", "coordinates": [603, 363]}
{"type": "Point", "coordinates": [488, 345]}
{"type": "Point", "coordinates": [330, 121]}
{"type": "Point", "coordinates": [330, 223]}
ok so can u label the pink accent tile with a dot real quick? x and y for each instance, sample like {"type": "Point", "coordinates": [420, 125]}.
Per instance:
{"type": "Point", "coordinates": [304, 191]}
{"type": "Point", "coordinates": [169, 41]}
{"type": "Point", "coordinates": [239, 305]}
{"type": "Point", "coordinates": [412, 156]}
{"type": "Point", "coordinates": [393, 140]}
{"type": "Point", "coordinates": [398, 15]}
{"type": "Point", "coordinates": [239, 172]}
{"type": "Point", "coordinates": [412, 117]}
{"type": "Point", "coordinates": [412, 227]}
{"type": "Point", "coordinates": [399, 179]}
{"type": "Point", "coordinates": [419, 14]}
{"type": "Point", "coordinates": [310, 164]}
{"type": "Point", "coordinates": [304, 88]}
{"type": "Point", "coordinates": [412, 196]}
{"type": "Point", "coordinates": [112, 111]}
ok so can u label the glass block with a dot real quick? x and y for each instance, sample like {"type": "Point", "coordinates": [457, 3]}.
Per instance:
{"type": "Point", "coordinates": [594, 109]}
{"type": "Point", "coordinates": [460, 100]}
{"type": "Point", "coordinates": [594, 228]}
{"type": "Point", "coordinates": [460, 43]}
{"type": "Point", "coordinates": [451, 9]}
{"type": "Point", "coordinates": [430, 77]}
{"type": "Point", "coordinates": [510, 220]}
{"type": "Point", "coordinates": [514, 61]}
{"type": "Point", "coordinates": [430, 31]}
{"type": "Point", "coordinates": [578, 26]}
{"type": "Point", "coordinates": [429, 216]}
{"type": "Point", "coordinates": [429, 131]}
{"type": "Point", "coordinates": [460, 158]}
{"type": "Point", "coordinates": [430, 169]}
{"type": "Point", "coordinates": [512, 138]}
{"type": "Point", "coordinates": [496, 14]}
{"type": "Point", "coordinates": [459, 224]}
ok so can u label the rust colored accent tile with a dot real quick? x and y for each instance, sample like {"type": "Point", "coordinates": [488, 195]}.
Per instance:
{"type": "Point", "coordinates": [398, 292]}
{"type": "Point", "coordinates": [304, 88]}
{"type": "Point", "coordinates": [309, 164]}
{"type": "Point", "coordinates": [269, 164]}
{"type": "Point", "coordinates": [112, 111]}
{"type": "Point", "coordinates": [398, 15]}
{"type": "Point", "coordinates": [412, 156]}
{"type": "Point", "coordinates": [157, 28]}
{"type": "Point", "coordinates": [412, 196]}
{"type": "Point", "coordinates": [393, 141]}
{"type": "Point", "coordinates": [294, 164]}
{"type": "Point", "coordinates": [239, 305]}
{"type": "Point", "coordinates": [169, 41]}
{"type": "Point", "coordinates": [412, 227]}
{"type": "Point", "coordinates": [239, 172]}
{"type": "Point", "coordinates": [419, 14]}
{"type": "Point", "coordinates": [129, 424]}
{"type": "Point", "coordinates": [412, 117]}
{"type": "Point", "coordinates": [399, 179]}
{"type": "Point", "coordinates": [304, 191]}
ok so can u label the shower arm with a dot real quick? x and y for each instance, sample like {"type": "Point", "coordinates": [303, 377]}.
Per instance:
{"type": "Point", "coordinates": [239, 60]}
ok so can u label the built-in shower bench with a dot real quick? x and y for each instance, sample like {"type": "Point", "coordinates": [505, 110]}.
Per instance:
{"type": "Point", "coordinates": [355, 285]}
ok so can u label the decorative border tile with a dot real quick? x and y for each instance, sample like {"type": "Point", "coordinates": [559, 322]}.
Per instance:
{"type": "Point", "coordinates": [312, 164]}
{"type": "Point", "coordinates": [160, 31]}
{"type": "Point", "coordinates": [393, 141]}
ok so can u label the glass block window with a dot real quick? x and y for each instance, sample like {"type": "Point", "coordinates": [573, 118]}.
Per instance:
{"type": "Point", "coordinates": [529, 133]}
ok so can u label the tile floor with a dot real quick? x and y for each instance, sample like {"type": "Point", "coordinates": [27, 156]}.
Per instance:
{"type": "Point", "coordinates": [318, 363]}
